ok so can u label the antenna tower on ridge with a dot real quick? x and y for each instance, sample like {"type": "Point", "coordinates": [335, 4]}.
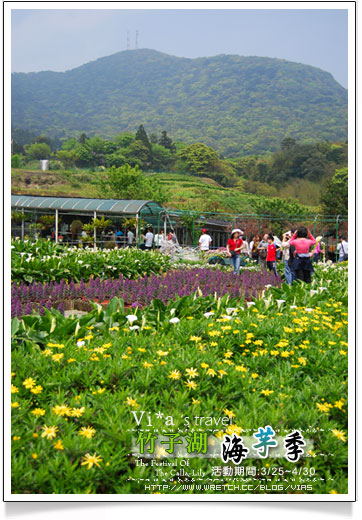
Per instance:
{"type": "Point", "coordinates": [128, 41]}
{"type": "Point", "coordinates": [137, 34]}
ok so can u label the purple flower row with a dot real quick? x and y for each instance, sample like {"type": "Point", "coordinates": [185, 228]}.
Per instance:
{"type": "Point", "coordinates": [141, 291]}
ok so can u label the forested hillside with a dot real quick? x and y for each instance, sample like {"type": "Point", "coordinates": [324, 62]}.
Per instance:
{"type": "Point", "coordinates": [238, 105]}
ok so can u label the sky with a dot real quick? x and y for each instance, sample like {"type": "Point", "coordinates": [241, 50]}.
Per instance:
{"type": "Point", "coordinates": [59, 40]}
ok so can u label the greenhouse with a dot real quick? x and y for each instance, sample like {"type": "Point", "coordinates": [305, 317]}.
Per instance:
{"type": "Point", "coordinates": [63, 217]}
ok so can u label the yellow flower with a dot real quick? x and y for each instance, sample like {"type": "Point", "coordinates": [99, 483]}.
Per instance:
{"type": "Point", "coordinates": [333, 492]}
{"type": "Point", "coordinates": [29, 383]}
{"type": "Point", "coordinates": [222, 373]}
{"type": "Point", "coordinates": [162, 352]}
{"type": "Point", "coordinates": [35, 435]}
{"type": "Point", "coordinates": [191, 372]}
{"type": "Point", "coordinates": [131, 402]}
{"type": "Point", "coordinates": [267, 392]}
{"type": "Point", "coordinates": [87, 432]}
{"type": "Point", "coordinates": [228, 354]}
{"type": "Point", "coordinates": [211, 372]}
{"type": "Point", "coordinates": [340, 435]}
{"type": "Point", "coordinates": [175, 374]}
{"type": "Point", "coordinates": [195, 401]}
{"type": "Point", "coordinates": [339, 404]}
{"type": "Point", "coordinates": [90, 460]}
{"type": "Point", "coordinates": [195, 338]}
{"type": "Point", "coordinates": [16, 438]}
{"type": "Point", "coordinates": [57, 357]}
{"type": "Point", "coordinates": [342, 352]}
{"type": "Point", "coordinates": [213, 344]}
{"type": "Point", "coordinates": [49, 431]}
{"type": "Point", "coordinates": [38, 411]}
{"type": "Point", "coordinates": [71, 360]}
{"type": "Point", "coordinates": [37, 389]}
{"type": "Point", "coordinates": [58, 445]}
{"type": "Point", "coordinates": [322, 407]}
{"type": "Point", "coordinates": [15, 404]}
{"type": "Point", "coordinates": [34, 455]}
{"type": "Point", "coordinates": [62, 410]}
{"type": "Point", "coordinates": [77, 412]}
{"type": "Point", "coordinates": [234, 428]}
{"type": "Point", "coordinates": [241, 368]}
{"type": "Point", "coordinates": [254, 375]}
{"type": "Point", "coordinates": [147, 365]}
{"type": "Point", "coordinates": [190, 384]}
{"type": "Point", "coordinates": [229, 413]}
{"type": "Point", "coordinates": [204, 365]}
{"type": "Point", "coordinates": [302, 361]}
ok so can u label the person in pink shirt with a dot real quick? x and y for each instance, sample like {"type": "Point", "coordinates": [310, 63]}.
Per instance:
{"type": "Point", "coordinates": [302, 240]}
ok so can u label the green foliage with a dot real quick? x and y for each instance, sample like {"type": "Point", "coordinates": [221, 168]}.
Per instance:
{"type": "Point", "coordinates": [290, 374]}
{"type": "Point", "coordinates": [76, 226]}
{"type": "Point", "coordinates": [198, 158]}
{"type": "Point", "coordinates": [48, 221]}
{"type": "Point", "coordinates": [279, 211]}
{"type": "Point", "coordinates": [16, 161]}
{"type": "Point", "coordinates": [126, 182]}
{"type": "Point", "coordinates": [334, 198]}
{"type": "Point", "coordinates": [238, 105]}
{"type": "Point", "coordinates": [100, 224]}
{"type": "Point", "coordinates": [45, 261]}
{"type": "Point", "coordinates": [38, 151]}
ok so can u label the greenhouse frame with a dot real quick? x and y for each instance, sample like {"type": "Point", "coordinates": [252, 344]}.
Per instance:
{"type": "Point", "coordinates": [64, 208]}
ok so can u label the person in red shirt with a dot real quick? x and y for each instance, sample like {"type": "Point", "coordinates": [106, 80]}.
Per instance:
{"type": "Point", "coordinates": [234, 245]}
{"type": "Point", "coordinates": [271, 259]}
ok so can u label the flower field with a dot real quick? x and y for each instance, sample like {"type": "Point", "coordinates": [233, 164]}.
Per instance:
{"type": "Point", "coordinates": [44, 261]}
{"type": "Point", "coordinates": [276, 357]}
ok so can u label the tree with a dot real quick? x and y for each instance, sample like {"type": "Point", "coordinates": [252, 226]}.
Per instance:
{"type": "Point", "coordinates": [334, 199]}
{"type": "Point", "coordinates": [127, 182]}
{"type": "Point", "coordinates": [141, 135]}
{"type": "Point", "coordinates": [166, 142]}
{"type": "Point", "coordinates": [67, 157]}
{"type": "Point", "coordinates": [288, 143]}
{"type": "Point", "coordinates": [198, 158]}
{"type": "Point", "coordinates": [161, 157]}
{"type": "Point", "coordinates": [38, 151]}
{"type": "Point", "coordinates": [281, 212]}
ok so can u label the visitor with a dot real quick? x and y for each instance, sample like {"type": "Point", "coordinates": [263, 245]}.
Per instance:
{"type": "Point", "coordinates": [119, 234]}
{"type": "Point", "coordinates": [233, 246]}
{"type": "Point", "coordinates": [130, 238]}
{"type": "Point", "coordinates": [149, 239]}
{"type": "Point", "coordinates": [289, 278]}
{"type": "Point", "coordinates": [271, 260]}
{"type": "Point", "coordinates": [253, 247]}
{"type": "Point", "coordinates": [342, 249]}
{"type": "Point", "coordinates": [172, 237]}
{"type": "Point", "coordinates": [204, 241]}
{"type": "Point", "coordinates": [262, 250]}
{"type": "Point", "coordinates": [159, 238]}
{"type": "Point", "coordinates": [316, 251]}
{"type": "Point", "coordinates": [302, 240]}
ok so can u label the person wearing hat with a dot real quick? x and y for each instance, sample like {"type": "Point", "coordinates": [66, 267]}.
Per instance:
{"type": "Point", "coordinates": [234, 246]}
{"type": "Point", "coordinates": [204, 241]}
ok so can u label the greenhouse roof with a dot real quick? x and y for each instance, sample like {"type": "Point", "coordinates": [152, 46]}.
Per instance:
{"type": "Point", "coordinates": [127, 207]}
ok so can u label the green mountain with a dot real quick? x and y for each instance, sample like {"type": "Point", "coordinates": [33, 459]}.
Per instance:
{"type": "Point", "coordinates": [238, 105]}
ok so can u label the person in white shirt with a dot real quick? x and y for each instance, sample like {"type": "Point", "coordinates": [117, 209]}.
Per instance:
{"type": "Point", "coordinates": [159, 238]}
{"type": "Point", "coordinates": [204, 241]}
{"type": "Point", "coordinates": [342, 248]}
{"type": "Point", "coordinates": [130, 238]}
{"type": "Point", "coordinates": [149, 239]}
